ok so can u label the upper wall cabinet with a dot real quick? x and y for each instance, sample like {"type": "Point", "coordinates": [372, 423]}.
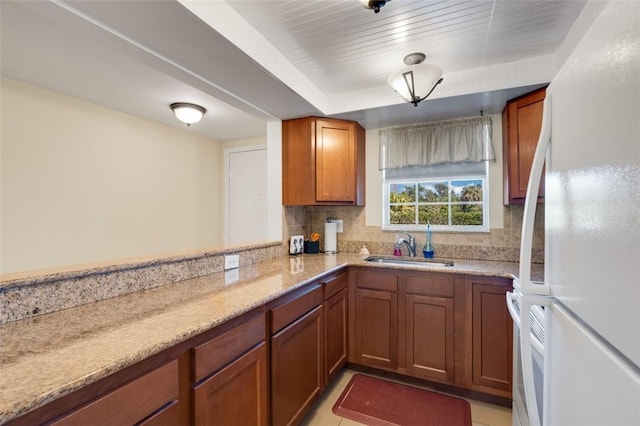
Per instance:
{"type": "Point", "coordinates": [521, 123]}
{"type": "Point", "coordinates": [323, 162]}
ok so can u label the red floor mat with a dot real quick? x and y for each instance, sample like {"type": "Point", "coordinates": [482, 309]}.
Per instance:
{"type": "Point", "coordinates": [378, 402]}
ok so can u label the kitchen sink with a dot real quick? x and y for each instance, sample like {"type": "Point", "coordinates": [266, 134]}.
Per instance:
{"type": "Point", "coordinates": [410, 261]}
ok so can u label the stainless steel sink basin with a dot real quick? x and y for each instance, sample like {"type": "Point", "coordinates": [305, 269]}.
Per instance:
{"type": "Point", "coordinates": [412, 261]}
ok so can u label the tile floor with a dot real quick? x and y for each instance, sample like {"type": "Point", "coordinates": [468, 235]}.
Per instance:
{"type": "Point", "coordinates": [482, 414]}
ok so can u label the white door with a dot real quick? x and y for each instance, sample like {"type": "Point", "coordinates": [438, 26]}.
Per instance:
{"type": "Point", "coordinates": [246, 195]}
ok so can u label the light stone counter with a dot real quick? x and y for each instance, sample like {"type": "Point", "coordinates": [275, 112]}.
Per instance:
{"type": "Point", "coordinates": [48, 356]}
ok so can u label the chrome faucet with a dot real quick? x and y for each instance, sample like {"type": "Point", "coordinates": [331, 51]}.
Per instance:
{"type": "Point", "coordinates": [410, 242]}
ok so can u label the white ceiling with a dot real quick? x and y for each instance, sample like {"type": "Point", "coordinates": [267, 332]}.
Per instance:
{"type": "Point", "coordinates": [248, 62]}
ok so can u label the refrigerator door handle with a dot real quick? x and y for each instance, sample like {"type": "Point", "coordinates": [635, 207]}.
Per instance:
{"type": "Point", "coordinates": [515, 316]}
{"type": "Point", "coordinates": [537, 345]}
{"type": "Point", "coordinates": [530, 203]}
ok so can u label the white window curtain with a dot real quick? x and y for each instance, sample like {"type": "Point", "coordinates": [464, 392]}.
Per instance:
{"type": "Point", "coordinates": [444, 142]}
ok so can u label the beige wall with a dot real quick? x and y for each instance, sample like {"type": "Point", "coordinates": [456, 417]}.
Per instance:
{"type": "Point", "coordinates": [81, 183]}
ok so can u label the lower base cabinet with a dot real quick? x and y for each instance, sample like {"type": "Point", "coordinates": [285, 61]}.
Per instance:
{"type": "Point", "coordinates": [335, 330]}
{"type": "Point", "coordinates": [491, 343]}
{"type": "Point", "coordinates": [230, 373]}
{"type": "Point", "coordinates": [296, 368]}
{"type": "Point", "coordinates": [431, 315]}
{"type": "Point", "coordinates": [296, 355]}
{"type": "Point", "coordinates": [446, 328]}
{"type": "Point", "coordinates": [373, 314]}
{"type": "Point", "coordinates": [235, 395]}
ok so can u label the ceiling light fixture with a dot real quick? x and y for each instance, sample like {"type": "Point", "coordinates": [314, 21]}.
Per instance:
{"type": "Point", "coordinates": [415, 82]}
{"type": "Point", "coordinates": [187, 113]}
{"type": "Point", "coordinates": [374, 5]}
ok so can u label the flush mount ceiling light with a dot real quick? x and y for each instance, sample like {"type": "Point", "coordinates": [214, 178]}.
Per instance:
{"type": "Point", "coordinates": [187, 113]}
{"type": "Point", "coordinates": [374, 5]}
{"type": "Point", "coordinates": [415, 82]}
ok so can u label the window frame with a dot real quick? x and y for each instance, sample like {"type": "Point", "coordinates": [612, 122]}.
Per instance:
{"type": "Point", "coordinates": [448, 177]}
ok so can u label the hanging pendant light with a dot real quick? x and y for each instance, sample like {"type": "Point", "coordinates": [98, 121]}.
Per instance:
{"type": "Point", "coordinates": [187, 113]}
{"type": "Point", "coordinates": [415, 82]}
{"type": "Point", "coordinates": [374, 5]}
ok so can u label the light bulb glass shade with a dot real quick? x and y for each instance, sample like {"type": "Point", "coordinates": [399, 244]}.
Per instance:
{"type": "Point", "coordinates": [187, 113]}
{"type": "Point", "coordinates": [414, 83]}
{"type": "Point", "coordinates": [374, 5]}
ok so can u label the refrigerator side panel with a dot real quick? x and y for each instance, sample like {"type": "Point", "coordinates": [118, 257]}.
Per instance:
{"type": "Point", "coordinates": [592, 223]}
{"type": "Point", "coordinates": [587, 385]}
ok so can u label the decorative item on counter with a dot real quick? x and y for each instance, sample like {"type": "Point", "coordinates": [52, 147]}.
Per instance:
{"type": "Point", "coordinates": [312, 245]}
{"type": "Point", "coordinates": [330, 236]}
{"type": "Point", "coordinates": [397, 250]}
{"type": "Point", "coordinates": [427, 250]}
{"type": "Point", "coordinates": [296, 244]}
{"type": "Point", "coordinates": [364, 251]}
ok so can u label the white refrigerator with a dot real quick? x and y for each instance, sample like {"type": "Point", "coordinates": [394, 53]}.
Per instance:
{"type": "Point", "coordinates": [590, 149]}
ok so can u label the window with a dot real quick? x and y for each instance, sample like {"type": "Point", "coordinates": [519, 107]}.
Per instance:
{"type": "Point", "coordinates": [450, 197]}
{"type": "Point", "coordinates": [437, 173]}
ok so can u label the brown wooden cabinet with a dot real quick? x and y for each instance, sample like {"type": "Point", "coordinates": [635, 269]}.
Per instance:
{"type": "Point", "coordinates": [335, 324]}
{"type": "Point", "coordinates": [491, 344]}
{"type": "Point", "coordinates": [373, 325]}
{"type": "Point", "coordinates": [430, 326]}
{"type": "Point", "coordinates": [323, 162]}
{"type": "Point", "coordinates": [229, 365]}
{"type": "Point", "coordinates": [521, 124]}
{"type": "Point", "coordinates": [446, 328]}
{"type": "Point", "coordinates": [237, 394]}
{"type": "Point", "coordinates": [297, 350]}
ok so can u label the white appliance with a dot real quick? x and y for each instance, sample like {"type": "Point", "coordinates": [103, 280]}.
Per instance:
{"type": "Point", "coordinates": [590, 299]}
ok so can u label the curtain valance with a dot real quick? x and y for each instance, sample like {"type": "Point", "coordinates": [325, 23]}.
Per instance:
{"type": "Point", "coordinates": [455, 141]}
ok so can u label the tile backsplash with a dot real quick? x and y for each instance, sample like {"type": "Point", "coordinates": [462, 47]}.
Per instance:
{"type": "Point", "coordinates": [498, 244]}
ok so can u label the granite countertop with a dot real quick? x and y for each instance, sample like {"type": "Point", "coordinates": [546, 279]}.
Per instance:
{"type": "Point", "coordinates": [46, 357]}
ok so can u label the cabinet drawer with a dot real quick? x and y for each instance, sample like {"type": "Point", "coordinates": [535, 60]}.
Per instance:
{"type": "Point", "coordinates": [169, 415]}
{"type": "Point", "coordinates": [334, 284]}
{"type": "Point", "coordinates": [220, 351]}
{"type": "Point", "coordinates": [132, 402]}
{"type": "Point", "coordinates": [376, 280]}
{"type": "Point", "coordinates": [430, 285]}
{"type": "Point", "coordinates": [294, 306]}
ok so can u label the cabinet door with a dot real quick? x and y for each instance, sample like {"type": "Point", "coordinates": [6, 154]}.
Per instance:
{"type": "Point", "coordinates": [323, 162]}
{"type": "Point", "coordinates": [237, 394]}
{"type": "Point", "coordinates": [335, 328]}
{"type": "Point", "coordinates": [296, 368]}
{"type": "Point", "coordinates": [430, 344]}
{"type": "Point", "coordinates": [298, 178]}
{"type": "Point", "coordinates": [522, 121]}
{"type": "Point", "coordinates": [492, 337]}
{"type": "Point", "coordinates": [335, 161]}
{"type": "Point", "coordinates": [376, 328]}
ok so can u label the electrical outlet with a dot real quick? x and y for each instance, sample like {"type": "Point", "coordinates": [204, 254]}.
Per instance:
{"type": "Point", "coordinates": [231, 261]}
{"type": "Point", "coordinates": [339, 226]}
{"type": "Point", "coordinates": [231, 276]}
